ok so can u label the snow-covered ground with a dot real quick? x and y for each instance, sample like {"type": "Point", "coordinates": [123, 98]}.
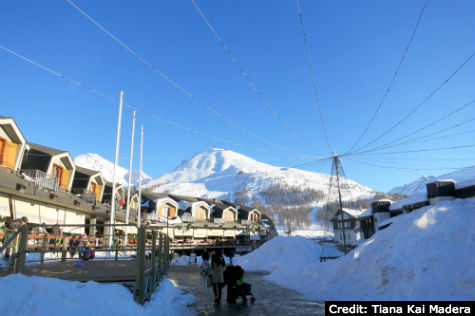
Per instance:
{"type": "Point", "coordinates": [428, 254]}
{"type": "Point", "coordinates": [23, 295]}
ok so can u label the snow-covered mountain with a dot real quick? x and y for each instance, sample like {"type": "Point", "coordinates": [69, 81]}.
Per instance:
{"type": "Point", "coordinates": [216, 173]}
{"type": "Point", "coordinates": [96, 162]}
{"type": "Point", "coordinates": [462, 177]}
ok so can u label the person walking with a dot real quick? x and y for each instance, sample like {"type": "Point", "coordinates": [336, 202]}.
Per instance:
{"type": "Point", "coordinates": [12, 226]}
{"type": "Point", "coordinates": [216, 270]}
{"type": "Point", "coordinates": [74, 245]}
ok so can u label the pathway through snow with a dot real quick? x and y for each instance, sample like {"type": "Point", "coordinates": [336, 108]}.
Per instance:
{"type": "Point", "coordinates": [270, 298]}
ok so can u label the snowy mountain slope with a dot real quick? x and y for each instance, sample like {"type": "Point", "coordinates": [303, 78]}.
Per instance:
{"type": "Point", "coordinates": [96, 162]}
{"type": "Point", "coordinates": [462, 177]}
{"type": "Point", "coordinates": [224, 171]}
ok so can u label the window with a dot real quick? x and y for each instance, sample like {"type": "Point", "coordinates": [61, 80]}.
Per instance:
{"type": "Point", "coordinates": [92, 187]}
{"type": "Point", "coordinates": [165, 211]}
{"type": "Point", "coordinates": [57, 172]}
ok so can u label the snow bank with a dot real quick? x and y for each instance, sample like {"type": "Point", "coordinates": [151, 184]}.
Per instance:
{"type": "Point", "coordinates": [428, 254]}
{"type": "Point", "coordinates": [23, 295]}
{"type": "Point", "coordinates": [289, 252]}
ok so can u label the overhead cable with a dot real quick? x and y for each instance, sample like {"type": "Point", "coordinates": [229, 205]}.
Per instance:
{"type": "Point", "coordinates": [430, 124]}
{"type": "Point", "coordinates": [388, 89]}
{"type": "Point", "coordinates": [246, 76]}
{"type": "Point", "coordinates": [402, 168]}
{"type": "Point", "coordinates": [418, 106]}
{"type": "Point", "coordinates": [176, 85]}
{"type": "Point", "coordinates": [314, 81]}
{"type": "Point", "coordinates": [415, 151]}
{"type": "Point", "coordinates": [80, 84]}
{"type": "Point", "coordinates": [414, 139]}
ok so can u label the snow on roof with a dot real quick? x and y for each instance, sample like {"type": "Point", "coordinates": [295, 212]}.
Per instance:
{"type": "Point", "coordinates": [384, 200]}
{"type": "Point", "coordinates": [415, 198]}
{"type": "Point", "coordinates": [352, 212]}
{"type": "Point", "coordinates": [387, 221]}
{"type": "Point", "coordinates": [465, 183]}
{"type": "Point", "coordinates": [366, 212]}
{"type": "Point", "coordinates": [445, 180]}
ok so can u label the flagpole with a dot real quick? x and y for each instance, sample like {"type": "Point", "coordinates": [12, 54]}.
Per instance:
{"type": "Point", "coordinates": [139, 210]}
{"type": "Point", "coordinates": [127, 212]}
{"type": "Point", "coordinates": [116, 161]}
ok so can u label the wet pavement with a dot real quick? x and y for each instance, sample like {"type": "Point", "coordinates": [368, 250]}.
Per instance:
{"type": "Point", "coordinates": [270, 299]}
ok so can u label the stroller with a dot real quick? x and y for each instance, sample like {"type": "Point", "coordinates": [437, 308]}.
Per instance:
{"type": "Point", "coordinates": [245, 290]}
{"type": "Point", "coordinates": [86, 253]}
{"type": "Point", "coordinates": [237, 287]}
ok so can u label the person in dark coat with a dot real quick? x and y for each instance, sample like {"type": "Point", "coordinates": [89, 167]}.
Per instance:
{"type": "Point", "coordinates": [231, 276]}
{"type": "Point", "coordinates": [217, 278]}
{"type": "Point", "coordinates": [74, 245]}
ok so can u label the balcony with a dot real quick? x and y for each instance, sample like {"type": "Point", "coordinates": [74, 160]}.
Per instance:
{"type": "Point", "coordinates": [42, 180]}
{"type": "Point", "coordinates": [85, 194]}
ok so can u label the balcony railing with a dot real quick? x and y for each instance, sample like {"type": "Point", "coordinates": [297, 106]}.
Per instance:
{"type": "Point", "coordinates": [85, 194]}
{"type": "Point", "coordinates": [153, 218]}
{"type": "Point", "coordinates": [43, 180]}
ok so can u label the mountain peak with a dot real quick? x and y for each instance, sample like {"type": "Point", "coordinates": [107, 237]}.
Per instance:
{"type": "Point", "coordinates": [96, 162]}
{"type": "Point", "coordinates": [217, 173]}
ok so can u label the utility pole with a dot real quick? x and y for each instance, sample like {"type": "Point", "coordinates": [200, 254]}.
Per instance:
{"type": "Point", "coordinates": [336, 164]}
{"type": "Point", "coordinates": [127, 212]}
{"type": "Point", "coordinates": [116, 161]}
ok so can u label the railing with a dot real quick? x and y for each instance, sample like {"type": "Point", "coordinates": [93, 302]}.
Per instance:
{"type": "Point", "coordinates": [43, 180]}
{"type": "Point", "coordinates": [154, 218]}
{"type": "Point", "coordinates": [149, 249]}
{"type": "Point", "coordinates": [85, 194]}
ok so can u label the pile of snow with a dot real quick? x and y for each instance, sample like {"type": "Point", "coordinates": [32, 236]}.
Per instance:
{"type": "Point", "coordinates": [281, 252]}
{"type": "Point", "coordinates": [428, 254]}
{"type": "Point", "coordinates": [462, 177]}
{"type": "Point", "coordinates": [23, 295]}
{"type": "Point", "coordinates": [96, 162]}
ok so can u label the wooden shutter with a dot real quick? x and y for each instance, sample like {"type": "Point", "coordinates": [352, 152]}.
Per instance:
{"type": "Point", "coordinates": [9, 154]}
{"type": "Point", "coordinates": [172, 212]}
{"type": "Point", "coordinates": [98, 191]}
{"type": "Point", "coordinates": [229, 216]}
{"type": "Point", "coordinates": [65, 179]}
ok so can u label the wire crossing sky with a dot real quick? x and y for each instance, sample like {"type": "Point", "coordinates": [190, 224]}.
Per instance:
{"type": "Point", "coordinates": [395, 81]}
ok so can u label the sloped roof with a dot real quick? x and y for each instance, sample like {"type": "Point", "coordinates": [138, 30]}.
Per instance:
{"type": "Point", "coordinates": [219, 208]}
{"type": "Point", "coordinates": [153, 195]}
{"type": "Point", "coordinates": [47, 150]}
{"type": "Point", "coordinates": [86, 171]}
{"type": "Point", "coordinates": [183, 198]}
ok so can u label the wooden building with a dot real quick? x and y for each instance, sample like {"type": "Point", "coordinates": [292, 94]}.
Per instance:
{"type": "Point", "coordinates": [89, 184]}
{"type": "Point", "coordinates": [12, 144]}
{"type": "Point", "coordinates": [49, 167]}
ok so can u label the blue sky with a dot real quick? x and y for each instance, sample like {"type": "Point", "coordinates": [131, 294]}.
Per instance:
{"type": "Point", "coordinates": [355, 48]}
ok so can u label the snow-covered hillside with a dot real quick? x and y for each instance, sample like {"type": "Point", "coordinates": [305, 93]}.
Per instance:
{"type": "Point", "coordinates": [463, 177]}
{"type": "Point", "coordinates": [216, 173]}
{"type": "Point", "coordinates": [96, 162]}
{"type": "Point", "coordinates": [424, 255]}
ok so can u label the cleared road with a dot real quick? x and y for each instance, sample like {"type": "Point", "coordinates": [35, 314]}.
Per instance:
{"type": "Point", "coordinates": [270, 298]}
